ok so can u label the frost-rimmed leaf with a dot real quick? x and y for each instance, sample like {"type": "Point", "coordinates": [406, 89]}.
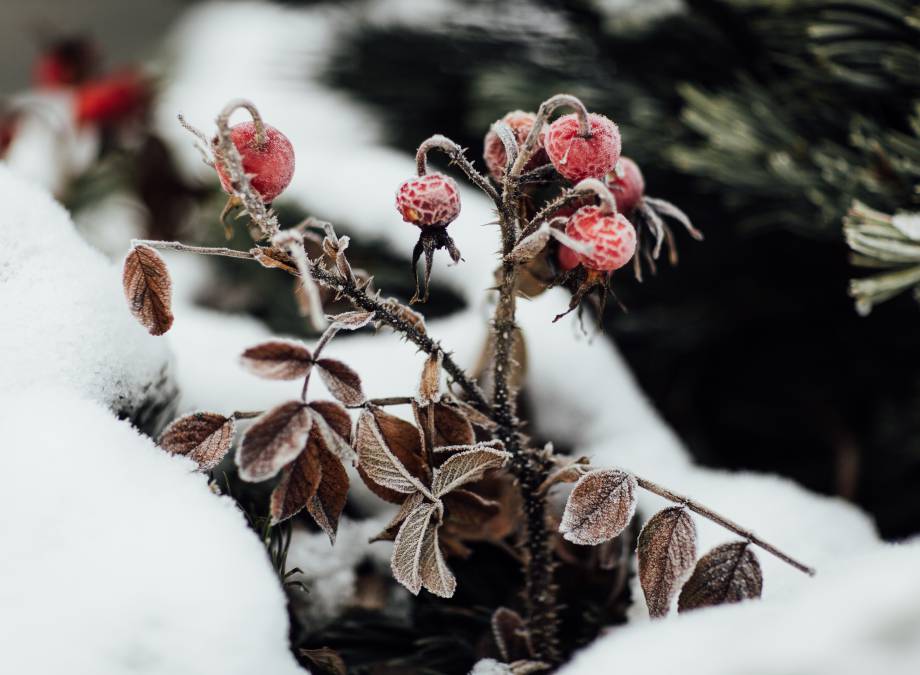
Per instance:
{"type": "Point", "coordinates": [429, 387]}
{"type": "Point", "coordinates": [599, 508]}
{"type": "Point", "coordinates": [203, 437]}
{"type": "Point", "coordinates": [351, 320]}
{"type": "Point", "coordinates": [148, 289]}
{"type": "Point", "coordinates": [388, 533]}
{"type": "Point", "coordinates": [298, 484]}
{"type": "Point", "coordinates": [728, 573]}
{"type": "Point", "coordinates": [341, 381]}
{"type": "Point", "coordinates": [568, 470]}
{"type": "Point", "coordinates": [667, 551]}
{"type": "Point", "coordinates": [466, 467]}
{"type": "Point", "coordinates": [333, 422]}
{"type": "Point", "coordinates": [407, 549]}
{"type": "Point", "coordinates": [327, 503]}
{"type": "Point", "coordinates": [278, 360]}
{"type": "Point", "coordinates": [511, 635]}
{"type": "Point", "coordinates": [273, 440]}
{"type": "Point", "coordinates": [530, 246]}
{"type": "Point", "coordinates": [389, 455]}
{"type": "Point", "coordinates": [451, 427]}
{"type": "Point", "coordinates": [436, 575]}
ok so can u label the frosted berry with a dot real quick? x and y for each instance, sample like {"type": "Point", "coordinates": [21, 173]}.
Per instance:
{"type": "Point", "coordinates": [521, 124]}
{"type": "Point", "coordinates": [432, 200]}
{"type": "Point", "coordinates": [112, 99]}
{"type": "Point", "coordinates": [567, 258]}
{"type": "Point", "coordinates": [576, 157]}
{"type": "Point", "coordinates": [611, 236]}
{"type": "Point", "coordinates": [628, 187]}
{"type": "Point", "coordinates": [270, 165]}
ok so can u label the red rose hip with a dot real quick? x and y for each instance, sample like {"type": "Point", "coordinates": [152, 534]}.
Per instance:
{"type": "Point", "coordinates": [577, 157]}
{"type": "Point", "coordinates": [611, 236]}
{"type": "Point", "coordinates": [567, 258]}
{"type": "Point", "coordinates": [628, 187]}
{"type": "Point", "coordinates": [111, 99]}
{"type": "Point", "coordinates": [520, 123]}
{"type": "Point", "coordinates": [432, 200]}
{"type": "Point", "coordinates": [270, 165]}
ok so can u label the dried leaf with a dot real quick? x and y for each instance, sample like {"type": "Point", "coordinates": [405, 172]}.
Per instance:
{"type": "Point", "coordinates": [599, 508]}
{"type": "Point", "coordinates": [273, 440]}
{"type": "Point", "coordinates": [406, 314]}
{"type": "Point", "coordinates": [568, 470]}
{"type": "Point", "coordinates": [148, 289]}
{"type": "Point", "coordinates": [407, 549]}
{"type": "Point", "coordinates": [389, 455]}
{"type": "Point", "coordinates": [466, 512]}
{"type": "Point", "coordinates": [278, 360]}
{"type": "Point", "coordinates": [298, 484]}
{"type": "Point", "coordinates": [389, 531]}
{"type": "Point", "coordinates": [728, 573]}
{"type": "Point", "coordinates": [667, 551]}
{"type": "Point", "coordinates": [472, 415]}
{"type": "Point", "coordinates": [341, 381]}
{"type": "Point", "coordinates": [203, 437]}
{"type": "Point", "coordinates": [436, 575]}
{"type": "Point", "coordinates": [351, 320]}
{"type": "Point", "coordinates": [334, 424]}
{"type": "Point", "coordinates": [327, 504]}
{"type": "Point", "coordinates": [324, 661]}
{"type": "Point", "coordinates": [466, 467]}
{"type": "Point", "coordinates": [451, 427]}
{"type": "Point", "coordinates": [511, 635]}
{"type": "Point", "coordinates": [429, 388]}
{"type": "Point", "coordinates": [530, 246]}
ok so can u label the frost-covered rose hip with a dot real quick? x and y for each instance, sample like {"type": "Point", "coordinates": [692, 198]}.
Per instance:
{"type": "Point", "coordinates": [627, 186]}
{"type": "Point", "coordinates": [611, 236]}
{"type": "Point", "coordinates": [577, 157]}
{"type": "Point", "coordinates": [520, 123]}
{"type": "Point", "coordinates": [432, 200]}
{"type": "Point", "coordinates": [270, 164]}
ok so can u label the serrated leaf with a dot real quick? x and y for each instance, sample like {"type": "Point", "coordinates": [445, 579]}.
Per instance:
{"type": "Point", "coordinates": [510, 634]}
{"type": "Point", "coordinates": [273, 440]}
{"type": "Point", "coordinates": [203, 437]}
{"type": "Point", "coordinates": [341, 381]}
{"type": "Point", "coordinates": [451, 427]}
{"type": "Point", "coordinates": [278, 360]}
{"type": "Point", "coordinates": [728, 573]}
{"type": "Point", "coordinates": [334, 424]}
{"type": "Point", "coordinates": [599, 508]}
{"type": "Point", "coordinates": [299, 482]}
{"type": "Point", "coordinates": [327, 503]}
{"type": "Point", "coordinates": [667, 551]}
{"type": "Point", "coordinates": [407, 549]}
{"type": "Point", "coordinates": [436, 575]}
{"type": "Point", "coordinates": [429, 387]}
{"type": "Point", "coordinates": [388, 533]}
{"type": "Point", "coordinates": [148, 289]}
{"type": "Point", "coordinates": [389, 455]}
{"type": "Point", "coordinates": [466, 467]}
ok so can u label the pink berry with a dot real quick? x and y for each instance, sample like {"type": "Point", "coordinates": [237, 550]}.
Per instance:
{"type": "Point", "coordinates": [611, 235]}
{"type": "Point", "coordinates": [432, 200]}
{"type": "Point", "coordinates": [567, 258]}
{"type": "Point", "coordinates": [576, 157]}
{"type": "Point", "coordinates": [629, 187]}
{"type": "Point", "coordinates": [270, 166]}
{"type": "Point", "coordinates": [521, 124]}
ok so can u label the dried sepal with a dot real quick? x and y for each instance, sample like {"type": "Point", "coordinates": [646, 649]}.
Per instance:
{"type": "Point", "coordinates": [273, 257]}
{"type": "Point", "coordinates": [406, 314]}
{"type": "Point", "coordinates": [466, 467]}
{"type": "Point", "coordinates": [599, 508]}
{"type": "Point", "coordinates": [435, 574]}
{"type": "Point", "coordinates": [429, 386]}
{"type": "Point", "coordinates": [278, 360]}
{"type": "Point", "coordinates": [511, 635]}
{"type": "Point", "coordinates": [328, 502]}
{"type": "Point", "coordinates": [352, 320]}
{"type": "Point", "coordinates": [148, 289]}
{"type": "Point", "coordinates": [333, 423]}
{"type": "Point", "coordinates": [389, 455]}
{"type": "Point", "coordinates": [530, 246]}
{"type": "Point", "coordinates": [341, 381]}
{"type": "Point", "coordinates": [728, 573]}
{"type": "Point", "coordinates": [667, 551]}
{"type": "Point", "coordinates": [299, 482]}
{"type": "Point", "coordinates": [203, 437]}
{"type": "Point", "coordinates": [407, 548]}
{"type": "Point", "coordinates": [273, 440]}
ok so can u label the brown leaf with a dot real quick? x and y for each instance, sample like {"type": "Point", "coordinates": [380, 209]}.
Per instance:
{"type": "Point", "coordinates": [407, 549]}
{"type": "Point", "coordinates": [599, 508]}
{"type": "Point", "coordinates": [327, 504]}
{"type": "Point", "coordinates": [406, 314]}
{"type": "Point", "coordinates": [273, 440]}
{"type": "Point", "coordinates": [435, 574]}
{"type": "Point", "coordinates": [473, 415]}
{"type": "Point", "coordinates": [298, 484]}
{"type": "Point", "coordinates": [351, 320]}
{"type": "Point", "coordinates": [511, 635]}
{"type": "Point", "coordinates": [389, 455]}
{"type": "Point", "coordinates": [450, 425]}
{"type": "Point", "coordinates": [429, 388]}
{"type": "Point", "coordinates": [148, 289]}
{"type": "Point", "coordinates": [728, 573]}
{"type": "Point", "coordinates": [324, 661]}
{"type": "Point", "coordinates": [203, 437]}
{"type": "Point", "coordinates": [667, 550]}
{"type": "Point", "coordinates": [334, 423]}
{"type": "Point", "coordinates": [341, 381]}
{"type": "Point", "coordinates": [466, 467]}
{"type": "Point", "coordinates": [568, 470]}
{"type": "Point", "coordinates": [278, 360]}
{"type": "Point", "coordinates": [466, 512]}
{"type": "Point", "coordinates": [388, 533]}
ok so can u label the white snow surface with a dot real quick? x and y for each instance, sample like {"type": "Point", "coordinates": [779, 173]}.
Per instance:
{"type": "Point", "coordinates": [118, 559]}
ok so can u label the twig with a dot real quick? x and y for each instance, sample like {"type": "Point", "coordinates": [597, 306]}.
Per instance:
{"type": "Point", "coordinates": [185, 248]}
{"type": "Point", "coordinates": [388, 400]}
{"type": "Point", "coordinates": [704, 511]}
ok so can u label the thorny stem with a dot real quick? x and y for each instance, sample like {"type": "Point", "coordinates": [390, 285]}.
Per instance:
{"type": "Point", "coordinates": [704, 511]}
{"type": "Point", "coordinates": [455, 152]}
{"type": "Point", "coordinates": [185, 248]}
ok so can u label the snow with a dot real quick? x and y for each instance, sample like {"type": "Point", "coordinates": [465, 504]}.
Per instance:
{"type": "Point", "coordinates": [117, 558]}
